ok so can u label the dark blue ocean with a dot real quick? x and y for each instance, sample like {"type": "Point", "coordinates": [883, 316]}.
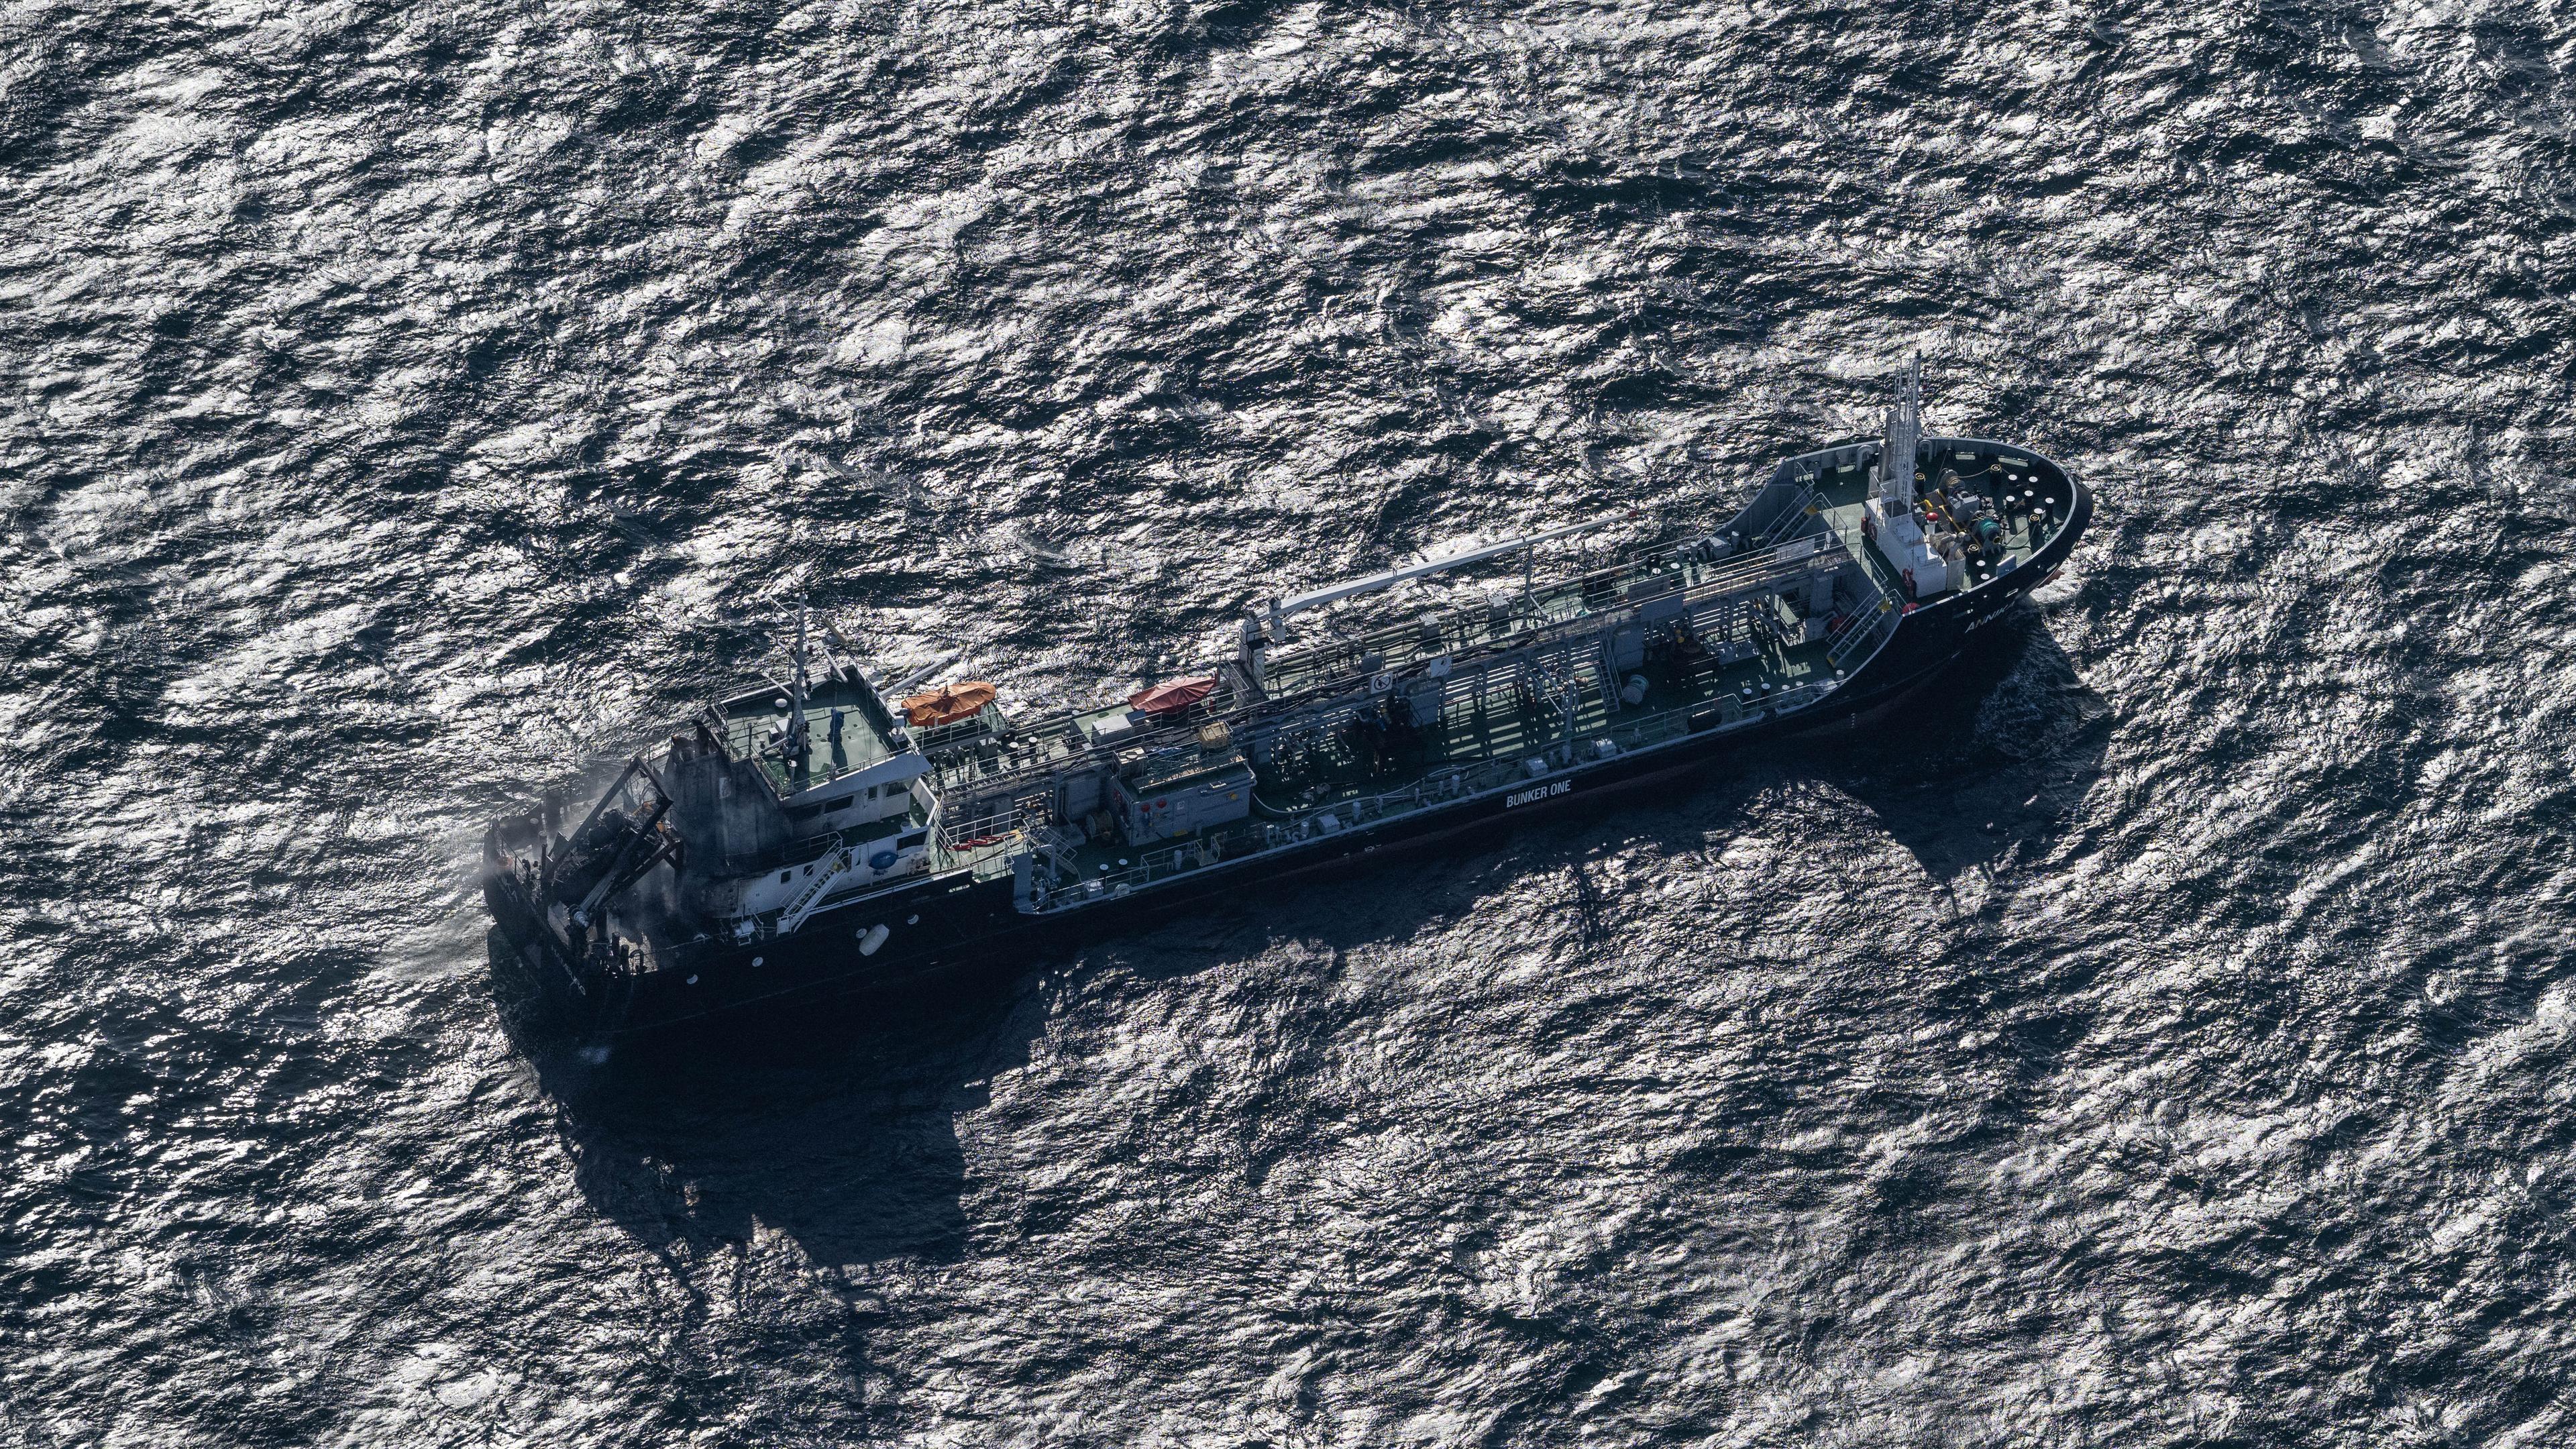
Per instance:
{"type": "Point", "coordinates": [2158, 1035]}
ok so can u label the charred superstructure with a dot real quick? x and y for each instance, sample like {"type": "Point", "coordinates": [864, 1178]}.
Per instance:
{"type": "Point", "coordinates": [832, 833]}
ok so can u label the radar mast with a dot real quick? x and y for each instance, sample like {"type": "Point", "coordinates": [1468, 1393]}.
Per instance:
{"type": "Point", "coordinates": [797, 729]}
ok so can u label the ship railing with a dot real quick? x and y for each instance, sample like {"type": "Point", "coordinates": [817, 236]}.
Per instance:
{"type": "Point", "coordinates": [994, 856]}
{"type": "Point", "coordinates": [979, 842]}
{"type": "Point", "coordinates": [1311, 672]}
{"type": "Point", "coordinates": [1292, 696]}
{"type": "Point", "coordinates": [955, 833]}
{"type": "Point", "coordinates": [1066, 886]}
{"type": "Point", "coordinates": [1799, 510]}
{"type": "Point", "coordinates": [1750, 574]}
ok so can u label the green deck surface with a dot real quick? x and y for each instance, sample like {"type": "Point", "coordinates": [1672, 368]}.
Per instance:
{"type": "Point", "coordinates": [1845, 495]}
{"type": "Point", "coordinates": [1326, 770]}
{"type": "Point", "coordinates": [1332, 773]}
{"type": "Point", "coordinates": [860, 746]}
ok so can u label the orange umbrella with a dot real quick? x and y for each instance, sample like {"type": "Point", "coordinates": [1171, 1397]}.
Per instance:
{"type": "Point", "coordinates": [949, 703]}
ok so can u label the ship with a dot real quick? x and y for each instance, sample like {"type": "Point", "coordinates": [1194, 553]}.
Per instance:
{"type": "Point", "coordinates": [840, 831]}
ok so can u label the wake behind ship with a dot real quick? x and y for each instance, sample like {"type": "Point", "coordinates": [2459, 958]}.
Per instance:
{"type": "Point", "coordinates": [828, 835]}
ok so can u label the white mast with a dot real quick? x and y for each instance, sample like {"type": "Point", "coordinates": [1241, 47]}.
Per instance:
{"type": "Point", "coordinates": [1897, 456]}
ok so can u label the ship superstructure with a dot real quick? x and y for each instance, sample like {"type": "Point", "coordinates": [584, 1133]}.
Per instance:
{"type": "Point", "coordinates": [828, 831]}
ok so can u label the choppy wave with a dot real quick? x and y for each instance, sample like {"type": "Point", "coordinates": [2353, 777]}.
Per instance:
{"type": "Point", "coordinates": [2159, 1038]}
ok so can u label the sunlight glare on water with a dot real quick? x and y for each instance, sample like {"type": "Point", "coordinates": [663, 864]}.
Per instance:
{"type": "Point", "coordinates": [2159, 1036]}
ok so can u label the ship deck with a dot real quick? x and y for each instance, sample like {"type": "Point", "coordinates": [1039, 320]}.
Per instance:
{"type": "Point", "coordinates": [1844, 495]}
{"type": "Point", "coordinates": [1481, 749]}
{"type": "Point", "coordinates": [753, 720]}
{"type": "Point", "coordinates": [1323, 772]}
{"type": "Point", "coordinates": [1335, 773]}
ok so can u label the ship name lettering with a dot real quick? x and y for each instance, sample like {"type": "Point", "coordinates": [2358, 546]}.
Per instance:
{"type": "Point", "coordinates": [1536, 792]}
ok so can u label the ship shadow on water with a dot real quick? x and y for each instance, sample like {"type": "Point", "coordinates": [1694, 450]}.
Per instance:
{"type": "Point", "coordinates": [1984, 770]}
{"type": "Point", "coordinates": [1977, 776]}
{"type": "Point", "coordinates": [835, 1130]}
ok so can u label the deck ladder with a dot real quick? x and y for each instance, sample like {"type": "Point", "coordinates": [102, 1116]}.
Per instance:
{"type": "Point", "coordinates": [1858, 630]}
{"type": "Point", "coordinates": [802, 904]}
{"type": "Point", "coordinates": [1798, 510]}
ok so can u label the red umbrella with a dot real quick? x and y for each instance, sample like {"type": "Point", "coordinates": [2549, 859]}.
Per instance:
{"type": "Point", "coordinates": [1173, 696]}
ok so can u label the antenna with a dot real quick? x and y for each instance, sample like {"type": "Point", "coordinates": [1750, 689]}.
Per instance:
{"type": "Point", "coordinates": [797, 729]}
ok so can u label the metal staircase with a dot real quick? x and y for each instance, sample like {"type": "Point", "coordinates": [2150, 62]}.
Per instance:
{"type": "Point", "coordinates": [802, 904]}
{"type": "Point", "coordinates": [1800, 509]}
{"type": "Point", "coordinates": [1863, 627]}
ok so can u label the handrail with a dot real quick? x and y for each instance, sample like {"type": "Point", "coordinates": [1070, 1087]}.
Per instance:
{"type": "Point", "coordinates": [1799, 507]}
{"type": "Point", "coordinates": [1444, 786]}
{"type": "Point", "coordinates": [1855, 631]}
{"type": "Point", "coordinates": [1279, 609]}
{"type": "Point", "coordinates": [1744, 573]}
{"type": "Point", "coordinates": [802, 904]}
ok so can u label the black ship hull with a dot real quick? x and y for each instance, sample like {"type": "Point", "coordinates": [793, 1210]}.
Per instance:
{"type": "Point", "coordinates": [943, 925]}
